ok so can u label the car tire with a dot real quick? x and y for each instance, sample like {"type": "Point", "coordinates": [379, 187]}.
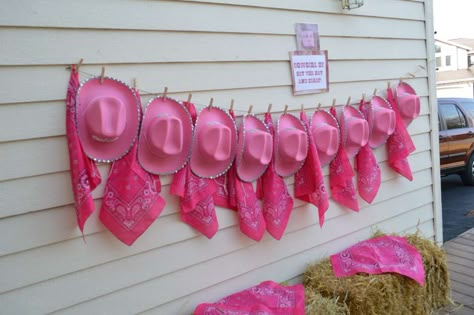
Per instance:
{"type": "Point", "coordinates": [468, 175]}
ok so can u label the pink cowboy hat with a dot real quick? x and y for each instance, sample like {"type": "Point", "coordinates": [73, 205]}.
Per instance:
{"type": "Point", "coordinates": [326, 135]}
{"type": "Point", "coordinates": [291, 145]}
{"type": "Point", "coordinates": [214, 143]}
{"type": "Point", "coordinates": [254, 150]}
{"type": "Point", "coordinates": [108, 118]}
{"type": "Point", "coordinates": [354, 129]}
{"type": "Point", "coordinates": [382, 121]}
{"type": "Point", "coordinates": [164, 145]}
{"type": "Point", "coordinates": [408, 103]}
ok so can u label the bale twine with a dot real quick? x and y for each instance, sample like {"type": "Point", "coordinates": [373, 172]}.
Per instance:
{"type": "Point", "coordinates": [388, 293]}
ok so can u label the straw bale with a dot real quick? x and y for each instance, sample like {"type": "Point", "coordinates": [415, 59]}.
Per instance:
{"type": "Point", "coordinates": [388, 293]}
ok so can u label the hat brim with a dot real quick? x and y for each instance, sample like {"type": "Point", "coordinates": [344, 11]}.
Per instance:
{"type": "Point", "coordinates": [249, 172]}
{"type": "Point", "coordinates": [349, 112]}
{"type": "Point", "coordinates": [286, 168]}
{"type": "Point", "coordinates": [164, 165]}
{"type": "Point", "coordinates": [107, 151]}
{"type": "Point", "coordinates": [320, 118]}
{"type": "Point", "coordinates": [201, 166]}
{"type": "Point", "coordinates": [377, 139]}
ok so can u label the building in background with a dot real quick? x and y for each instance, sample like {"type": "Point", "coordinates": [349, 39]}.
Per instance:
{"type": "Point", "coordinates": [454, 77]}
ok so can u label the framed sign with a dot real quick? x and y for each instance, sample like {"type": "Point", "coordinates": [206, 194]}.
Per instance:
{"type": "Point", "coordinates": [307, 36]}
{"type": "Point", "coordinates": [309, 72]}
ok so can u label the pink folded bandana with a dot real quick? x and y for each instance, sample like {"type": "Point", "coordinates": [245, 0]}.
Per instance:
{"type": "Point", "coordinates": [225, 195]}
{"type": "Point", "coordinates": [85, 176]}
{"type": "Point", "coordinates": [340, 178]}
{"type": "Point", "coordinates": [267, 298]}
{"type": "Point", "coordinates": [277, 202]}
{"type": "Point", "coordinates": [195, 196]}
{"type": "Point", "coordinates": [399, 144]}
{"type": "Point", "coordinates": [380, 255]}
{"type": "Point", "coordinates": [309, 182]}
{"type": "Point", "coordinates": [132, 200]}
{"type": "Point", "coordinates": [369, 175]}
{"type": "Point", "coordinates": [241, 196]}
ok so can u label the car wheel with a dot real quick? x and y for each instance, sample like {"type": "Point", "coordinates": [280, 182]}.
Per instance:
{"type": "Point", "coordinates": [468, 175]}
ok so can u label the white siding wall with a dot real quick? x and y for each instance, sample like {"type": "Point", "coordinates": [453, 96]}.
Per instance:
{"type": "Point", "coordinates": [212, 48]}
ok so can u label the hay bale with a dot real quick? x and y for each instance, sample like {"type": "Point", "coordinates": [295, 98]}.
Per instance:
{"type": "Point", "coordinates": [316, 304]}
{"type": "Point", "coordinates": [388, 293]}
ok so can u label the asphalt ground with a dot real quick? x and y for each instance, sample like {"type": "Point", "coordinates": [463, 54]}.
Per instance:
{"type": "Point", "coordinates": [458, 206]}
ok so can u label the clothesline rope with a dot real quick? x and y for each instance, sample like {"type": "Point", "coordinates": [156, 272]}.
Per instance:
{"type": "Point", "coordinates": [244, 111]}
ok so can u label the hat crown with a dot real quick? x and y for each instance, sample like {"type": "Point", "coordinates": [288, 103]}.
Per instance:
{"type": "Point", "coordinates": [409, 105]}
{"type": "Point", "coordinates": [165, 135]}
{"type": "Point", "coordinates": [357, 131]}
{"type": "Point", "coordinates": [105, 118]}
{"type": "Point", "coordinates": [293, 144]}
{"type": "Point", "coordinates": [384, 120]}
{"type": "Point", "coordinates": [326, 139]}
{"type": "Point", "coordinates": [216, 141]}
{"type": "Point", "coordinates": [258, 146]}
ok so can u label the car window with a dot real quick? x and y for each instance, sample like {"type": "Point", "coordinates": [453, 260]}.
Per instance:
{"type": "Point", "coordinates": [468, 107]}
{"type": "Point", "coordinates": [453, 117]}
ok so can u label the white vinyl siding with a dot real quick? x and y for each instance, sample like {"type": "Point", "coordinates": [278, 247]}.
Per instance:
{"type": "Point", "coordinates": [221, 49]}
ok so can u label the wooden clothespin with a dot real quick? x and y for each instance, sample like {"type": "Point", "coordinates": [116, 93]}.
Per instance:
{"type": "Point", "coordinates": [210, 103]}
{"type": "Point", "coordinates": [79, 64]}
{"type": "Point", "coordinates": [165, 92]}
{"type": "Point", "coordinates": [348, 101]}
{"type": "Point", "coordinates": [302, 108]}
{"type": "Point", "coordinates": [189, 98]}
{"type": "Point", "coordinates": [269, 109]}
{"type": "Point", "coordinates": [134, 83]}
{"type": "Point", "coordinates": [363, 97]}
{"type": "Point", "coordinates": [388, 85]}
{"type": "Point", "coordinates": [333, 103]}
{"type": "Point", "coordinates": [286, 109]}
{"type": "Point", "coordinates": [232, 104]}
{"type": "Point", "coordinates": [375, 92]}
{"type": "Point", "coordinates": [250, 109]}
{"type": "Point", "coordinates": [102, 74]}
{"type": "Point", "coordinates": [319, 106]}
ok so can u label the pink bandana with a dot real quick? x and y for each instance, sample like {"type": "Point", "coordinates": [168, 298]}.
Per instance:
{"type": "Point", "coordinates": [399, 144]}
{"type": "Point", "coordinates": [277, 202]}
{"type": "Point", "coordinates": [225, 194]}
{"type": "Point", "coordinates": [242, 197]}
{"type": "Point", "coordinates": [309, 182]}
{"type": "Point", "coordinates": [380, 255]}
{"type": "Point", "coordinates": [132, 200]}
{"type": "Point", "coordinates": [85, 176]}
{"type": "Point", "coordinates": [369, 174]}
{"type": "Point", "coordinates": [340, 178]}
{"type": "Point", "coordinates": [195, 196]}
{"type": "Point", "coordinates": [267, 298]}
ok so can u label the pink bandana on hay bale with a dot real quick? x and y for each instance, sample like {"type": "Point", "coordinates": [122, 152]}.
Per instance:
{"type": "Point", "coordinates": [272, 190]}
{"type": "Point", "coordinates": [340, 178]}
{"type": "Point", "coordinates": [309, 181]}
{"type": "Point", "coordinates": [399, 144]}
{"type": "Point", "coordinates": [267, 298]}
{"type": "Point", "coordinates": [380, 255]}
{"type": "Point", "coordinates": [132, 200]}
{"type": "Point", "coordinates": [85, 176]}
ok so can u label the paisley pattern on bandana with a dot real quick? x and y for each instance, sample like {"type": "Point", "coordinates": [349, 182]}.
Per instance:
{"type": "Point", "coordinates": [277, 202]}
{"type": "Point", "coordinates": [85, 176]}
{"type": "Point", "coordinates": [267, 298]}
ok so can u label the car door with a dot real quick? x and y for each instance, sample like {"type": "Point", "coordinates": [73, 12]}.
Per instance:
{"type": "Point", "coordinates": [458, 135]}
{"type": "Point", "coordinates": [443, 142]}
